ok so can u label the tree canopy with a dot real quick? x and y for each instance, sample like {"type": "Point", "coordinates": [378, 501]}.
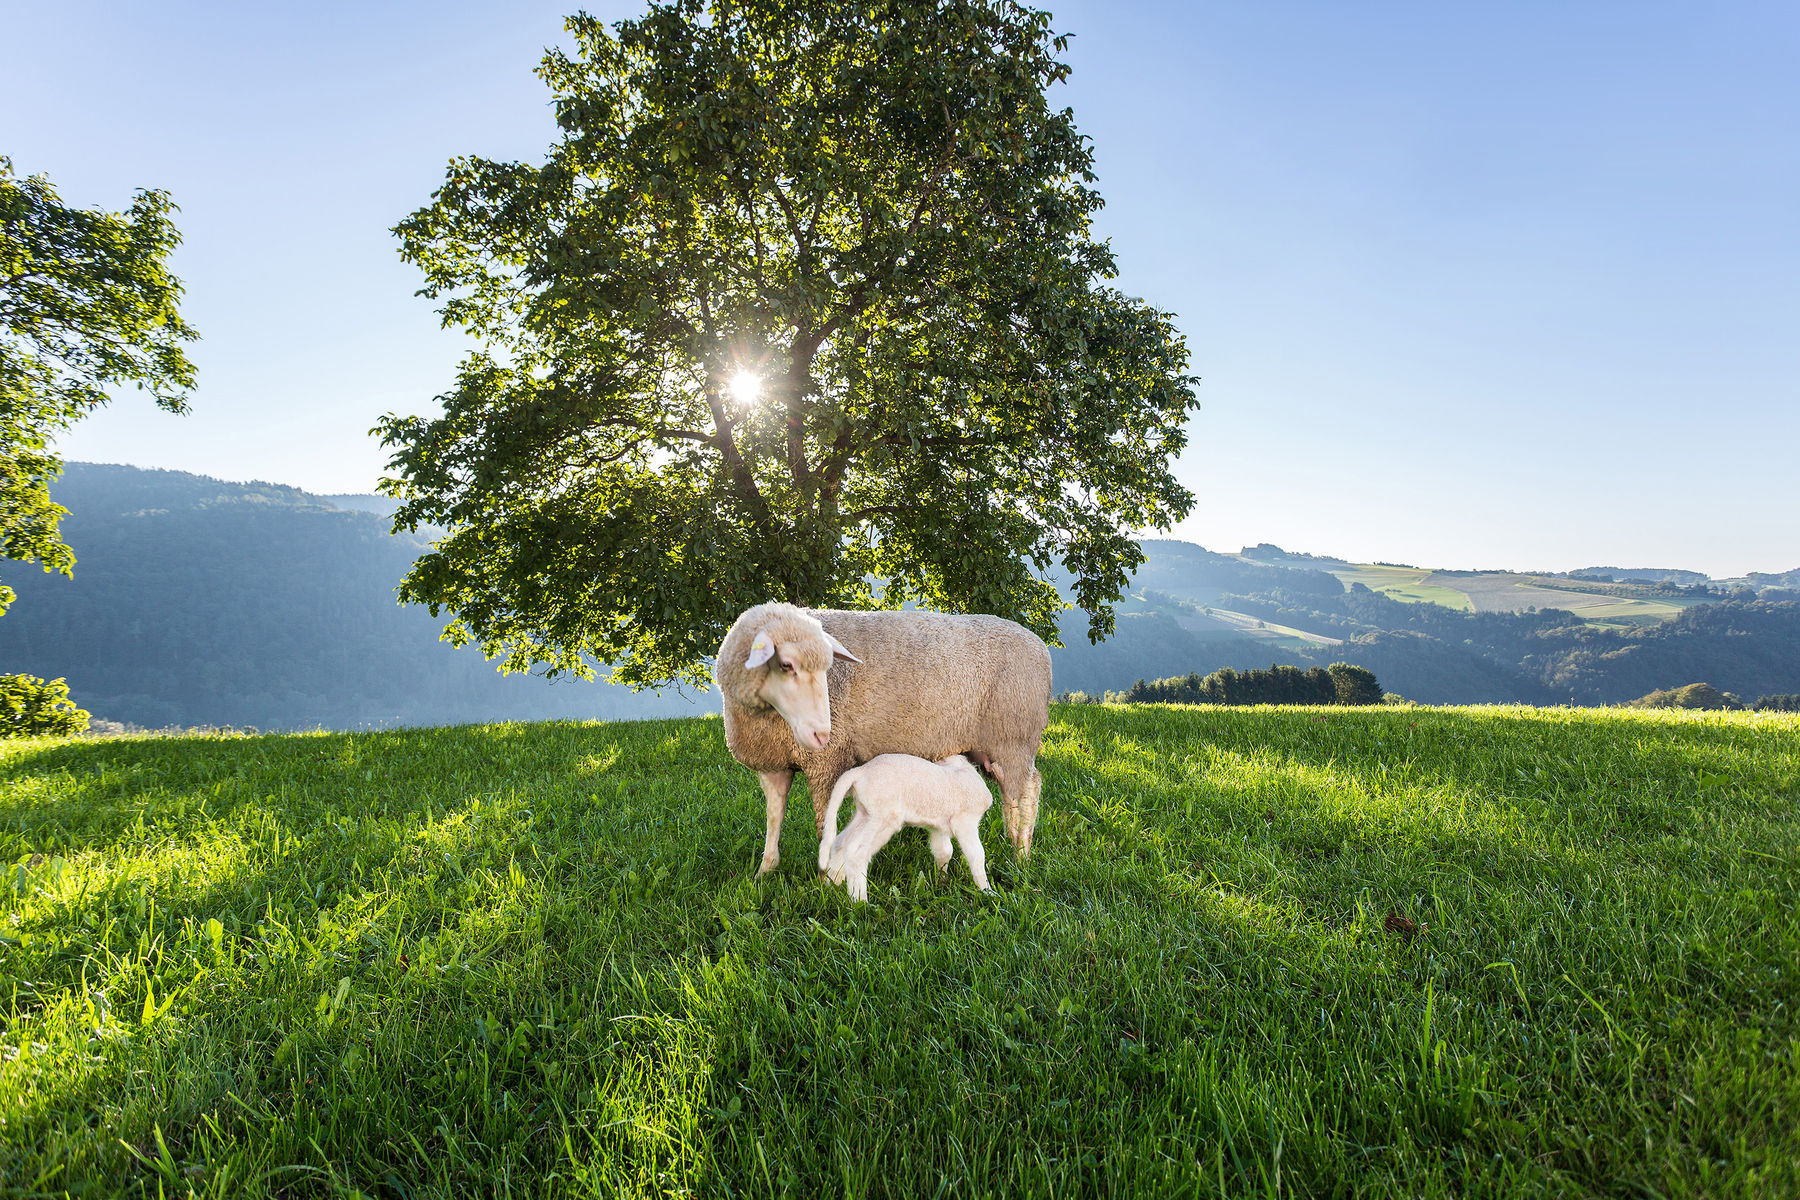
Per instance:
{"type": "Point", "coordinates": [803, 304]}
{"type": "Point", "coordinates": [87, 304]}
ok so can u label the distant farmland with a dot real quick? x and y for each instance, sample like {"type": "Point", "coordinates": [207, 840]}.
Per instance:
{"type": "Point", "coordinates": [1404, 583]}
{"type": "Point", "coordinates": [1501, 591]}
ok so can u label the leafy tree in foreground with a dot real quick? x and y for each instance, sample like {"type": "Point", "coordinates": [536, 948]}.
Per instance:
{"type": "Point", "coordinates": [804, 296]}
{"type": "Point", "coordinates": [86, 304]}
{"type": "Point", "coordinates": [29, 707]}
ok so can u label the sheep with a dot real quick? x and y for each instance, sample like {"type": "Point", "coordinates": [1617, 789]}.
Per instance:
{"type": "Point", "coordinates": [893, 791]}
{"type": "Point", "coordinates": [820, 691]}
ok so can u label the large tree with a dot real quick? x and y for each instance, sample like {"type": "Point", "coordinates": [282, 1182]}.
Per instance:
{"type": "Point", "coordinates": [87, 305]}
{"type": "Point", "coordinates": [804, 304]}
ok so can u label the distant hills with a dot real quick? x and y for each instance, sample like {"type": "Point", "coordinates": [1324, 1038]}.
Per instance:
{"type": "Point", "coordinates": [1445, 637]}
{"type": "Point", "coordinates": [202, 602]}
{"type": "Point", "coordinates": [198, 602]}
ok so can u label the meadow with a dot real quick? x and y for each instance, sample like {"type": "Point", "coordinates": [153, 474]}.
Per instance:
{"type": "Point", "coordinates": [1404, 583]}
{"type": "Point", "coordinates": [1495, 592]}
{"type": "Point", "coordinates": [1310, 952]}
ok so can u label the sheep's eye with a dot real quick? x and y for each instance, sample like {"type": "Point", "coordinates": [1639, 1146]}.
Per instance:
{"type": "Point", "coordinates": [787, 668]}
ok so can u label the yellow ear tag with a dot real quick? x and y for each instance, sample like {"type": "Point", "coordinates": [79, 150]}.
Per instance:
{"type": "Point", "coordinates": [761, 651]}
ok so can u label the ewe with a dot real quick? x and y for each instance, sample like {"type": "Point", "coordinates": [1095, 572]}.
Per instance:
{"type": "Point", "coordinates": [896, 790]}
{"type": "Point", "coordinates": [819, 692]}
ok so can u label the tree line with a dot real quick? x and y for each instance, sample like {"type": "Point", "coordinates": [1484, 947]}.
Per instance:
{"type": "Point", "coordinates": [1340, 683]}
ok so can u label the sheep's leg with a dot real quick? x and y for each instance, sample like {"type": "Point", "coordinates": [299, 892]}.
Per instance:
{"type": "Point", "coordinates": [1028, 809]}
{"type": "Point", "coordinates": [1009, 812]}
{"type": "Point", "coordinates": [968, 835]}
{"type": "Point", "coordinates": [1020, 784]}
{"type": "Point", "coordinates": [819, 781]}
{"type": "Point", "coordinates": [941, 850]}
{"type": "Point", "coordinates": [775, 785]}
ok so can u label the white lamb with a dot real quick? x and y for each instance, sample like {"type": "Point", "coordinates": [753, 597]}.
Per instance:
{"type": "Point", "coordinates": [893, 791]}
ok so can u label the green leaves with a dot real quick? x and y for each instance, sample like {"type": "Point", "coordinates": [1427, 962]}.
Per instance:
{"type": "Point", "coordinates": [30, 707]}
{"type": "Point", "coordinates": [871, 207]}
{"type": "Point", "coordinates": [86, 304]}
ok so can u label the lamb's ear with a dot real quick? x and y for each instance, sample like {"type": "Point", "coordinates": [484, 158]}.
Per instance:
{"type": "Point", "coordinates": [761, 650]}
{"type": "Point", "coordinates": [838, 652]}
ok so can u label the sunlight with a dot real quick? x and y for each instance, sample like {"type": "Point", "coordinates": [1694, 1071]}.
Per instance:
{"type": "Point", "coordinates": [744, 387]}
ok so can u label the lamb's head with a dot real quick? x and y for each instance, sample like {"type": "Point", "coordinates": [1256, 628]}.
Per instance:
{"type": "Point", "coordinates": [777, 656]}
{"type": "Point", "coordinates": [957, 762]}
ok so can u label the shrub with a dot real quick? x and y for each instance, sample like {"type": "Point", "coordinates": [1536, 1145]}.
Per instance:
{"type": "Point", "coordinates": [1784, 702]}
{"type": "Point", "coordinates": [30, 707]}
{"type": "Point", "coordinates": [1355, 685]}
{"type": "Point", "coordinates": [1694, 695]}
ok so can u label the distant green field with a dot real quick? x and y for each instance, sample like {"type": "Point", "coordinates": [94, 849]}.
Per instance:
{"type": "Point", "coordinates": [1501, 591]}
{"type": "Point", "coordinates": [1284, 635]}
{"type": "Point", "coordinates": [1403, 583]}
{"type": "Point", "coordinates": [1506, 592]}
{"type": "Point", "coordinates": [1315, 952]}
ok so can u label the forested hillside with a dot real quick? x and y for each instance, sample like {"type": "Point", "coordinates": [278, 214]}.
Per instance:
{"type": "Point", "coordinates": [201, 602]}
{"type": "Point", "coordinates": [1442, 655]}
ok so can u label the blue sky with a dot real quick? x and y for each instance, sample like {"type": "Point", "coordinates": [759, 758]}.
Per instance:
{"type": "Point", "coordinates": [1503, 285]}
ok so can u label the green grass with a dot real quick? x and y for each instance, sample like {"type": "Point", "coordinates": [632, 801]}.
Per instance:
{"type": "Point", "coordinates": [532, 960]}
{"type": "Point", "coordinates": [1404, 583]}
{"type": "Point", "coordinates": [1505, 592]}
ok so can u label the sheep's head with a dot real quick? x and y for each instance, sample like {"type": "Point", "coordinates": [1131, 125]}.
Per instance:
{"type": "Point", "coordinates": [788, 661]}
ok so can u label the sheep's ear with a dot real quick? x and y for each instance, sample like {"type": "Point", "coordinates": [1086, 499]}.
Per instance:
{"type": "Point", "coordinates": [838, 652]}
{"type": "Point", "coordinates": [761, 650]}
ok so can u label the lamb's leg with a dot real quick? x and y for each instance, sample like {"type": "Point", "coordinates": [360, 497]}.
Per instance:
{"type": "Point", "coordinates": [869, 841]}
{"type": "Point", "coordinates": [968, 835]}
{"type": "Point", "coordinates": [775, 785]}
{"type": "Point", "coordinates": [843, 843]}
{"type": "Point", "coordinates": [941, 850]}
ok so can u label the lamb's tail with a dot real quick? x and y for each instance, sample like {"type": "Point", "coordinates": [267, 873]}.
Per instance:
{"type": "Point", "coordinates": [845, 782]}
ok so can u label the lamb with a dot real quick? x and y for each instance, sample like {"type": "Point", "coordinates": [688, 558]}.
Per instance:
{"type": "Point", "coordinates": [820, 691]}
{"type": "Point", "coordinates": [893, 791]}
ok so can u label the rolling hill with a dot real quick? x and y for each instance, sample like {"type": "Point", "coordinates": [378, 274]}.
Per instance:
{"type": "Point", "coordinates": [199, 602]}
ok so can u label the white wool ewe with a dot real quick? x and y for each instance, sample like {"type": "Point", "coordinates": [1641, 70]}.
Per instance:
{"type": "Point", "coordinates": [820, 691]}
{"type": "Point", "coordinates": [893, 791]}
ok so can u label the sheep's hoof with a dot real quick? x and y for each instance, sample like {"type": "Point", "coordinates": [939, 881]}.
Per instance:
{"type": "Point", "coordinates": [768, 864]}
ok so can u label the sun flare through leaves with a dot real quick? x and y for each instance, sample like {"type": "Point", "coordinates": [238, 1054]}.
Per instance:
{"type": "Point", "coordinates": [745, 388]}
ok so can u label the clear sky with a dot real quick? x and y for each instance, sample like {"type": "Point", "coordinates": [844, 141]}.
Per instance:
{"type": "Point", "coordinates": [1476, 285]}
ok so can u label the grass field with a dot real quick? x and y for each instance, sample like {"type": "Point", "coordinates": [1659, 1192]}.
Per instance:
{"type": "Point", "coordinates": [1501, 592]}
{"type": "Point", "coordinates": [532, 960]}
{"type": "Point", "coordinates": [1404, 583]}
{"type": "Point", "coordinates": [1285, 635]}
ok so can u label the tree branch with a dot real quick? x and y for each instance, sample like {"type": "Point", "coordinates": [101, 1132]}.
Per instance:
{"type": "Point", "coordinates": [741, 475]}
